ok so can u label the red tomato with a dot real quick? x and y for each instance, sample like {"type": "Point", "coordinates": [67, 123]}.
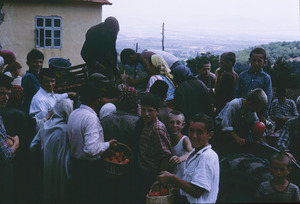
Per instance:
{"type": "Point", "coordinates": [151, 194]}
{"type": "Point", "coordinates": [259, 128]}
{"type": "Point", "coordinates": [164, 191]}
{"type": "Point", "coordinates": [156, 193]}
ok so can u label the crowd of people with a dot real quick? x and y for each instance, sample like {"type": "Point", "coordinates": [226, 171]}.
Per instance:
{"type": "Point", "coordinates": [178, 126]}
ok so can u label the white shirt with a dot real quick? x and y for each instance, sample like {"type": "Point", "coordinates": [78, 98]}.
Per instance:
{"type": "Point", "coordinates": [168, 57]}
{"type": "Point", "coordinates": [202, 169]}
{"type": "Point", "coordinates": [86, 134]}
{"type": "Point", "coordinates": [43, 102]}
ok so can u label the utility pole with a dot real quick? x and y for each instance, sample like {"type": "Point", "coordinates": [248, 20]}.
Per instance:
{"type": "Point", "coordinates": [163, 37]}
{"type": "Point", "coordinates": [135, 68]}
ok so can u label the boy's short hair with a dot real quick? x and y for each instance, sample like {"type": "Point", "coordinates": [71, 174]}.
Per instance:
{"type": "Point", "coordinates": [125, 54]}
{"type": "Point", "coordinates": [35, 54]}
{"type": "Point", "coordinates": [229, 57]}
{"type": "Point", "coordinates": [203, 118]}
{"type": "Point", "coordinates": [202, 62]}
{"type": "Point", "coordinates": [151, 100]}
{"type": "Point", "coordinates": [160, 88]}
{"type": "Point", "coordinates": [47, 72]}
{"type": "Point", "coordinates": [89, 93]}
{"type": "Point", "coordinates": [281, 156]}
{"type": "Point", "coordinates": [176, 112]}
{"type": "Point", "coordinates": [5, 81]}
{"type": "Point", "coordinates": [259, 51]}
{"type": "Point", "coordinates": [257, 96]}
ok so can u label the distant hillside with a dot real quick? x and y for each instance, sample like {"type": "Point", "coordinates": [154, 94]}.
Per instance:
{"type": "Point", "coordinates": [275, 50]}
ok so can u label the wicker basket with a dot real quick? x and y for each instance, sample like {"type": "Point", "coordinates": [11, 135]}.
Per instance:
{"type": "Point", "coordinates": [164, 199]}
{"type": "Point", "coordinates": [116, 170]}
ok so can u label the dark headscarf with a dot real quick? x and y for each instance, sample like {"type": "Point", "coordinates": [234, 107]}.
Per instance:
{"type": "Point", "coordinates": [112, 24]}
{"type": "Point", "coordinates": [128, 99]}
{"type": "Point", "coordinates": [16, 97]}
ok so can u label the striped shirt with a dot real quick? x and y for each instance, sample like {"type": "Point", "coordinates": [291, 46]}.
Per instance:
{"type": "Point", "coordinates": [154, 146]}
{"type": "Point", "coordinates": [287, 108]}
{"type": "Point", "coordinates": [267, 193]}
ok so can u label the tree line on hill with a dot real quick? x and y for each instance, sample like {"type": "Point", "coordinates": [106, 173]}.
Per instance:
{"type": "Point", "coordinates": [280, 65]}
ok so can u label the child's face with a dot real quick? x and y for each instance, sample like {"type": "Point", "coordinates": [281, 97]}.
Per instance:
{"type": "Point", "coordinates": [175, 124]}
{"type": "Point", "coordinates": [205, 70]}
{"type": "Point", "coordinates": [257, 61]}
{"type": "Point", "coordinates": [35, 65]}
{"type": "Point", "coordinates": [198, 135]}
{"type": "Point", "coordinates": [279, 169]}
{"type": "Point", "coordinates": [149, 114]}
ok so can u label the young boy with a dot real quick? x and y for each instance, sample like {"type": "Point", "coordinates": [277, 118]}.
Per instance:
{"type": "Point", "coordinates": [226, 79]}
{"type": "Point", "coordinates": [253, 78]}
{"type": "Point", "coordinates": [181, 144]}
{"type": "Point", "coordinates": [205, 75]}
{"type": "Point", "coordinates": [282, 109]}
{"type": "Point", "coordinates": [238, 117]}
{"type": "Point", "coordinates": [30, 82]}
{"type": "Point", "coordinates": [155, 148]}
{"type": "Point", "coordinates": [200, 183]}
{"type": "Point", "coordinates": [278, 189]}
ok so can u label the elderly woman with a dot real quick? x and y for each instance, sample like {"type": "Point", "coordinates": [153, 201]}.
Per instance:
{"type": "Point", "coordinates": [52, 139]}
{"type": "Point", "coordinates": [161, 71]}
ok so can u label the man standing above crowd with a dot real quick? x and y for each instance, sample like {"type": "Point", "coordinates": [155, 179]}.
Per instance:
{"type": "Point", "coordinates": [99, 49]}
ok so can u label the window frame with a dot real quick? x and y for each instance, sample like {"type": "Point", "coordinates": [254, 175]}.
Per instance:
{"type": "Point", "coordinates": [43, 29]}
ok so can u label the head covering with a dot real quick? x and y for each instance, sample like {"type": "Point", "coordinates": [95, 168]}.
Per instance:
{"type": "Point", "coordinates": [128, 99]}
{"type": "Point", "coordinates": [99, 78]}
{"type": "Point", "coordinates": [160, 64]}
{"type": "Point", "coordinates": [8, 55]}
{"type": "Point", "coordinates": [182, 73]}
{"type": "Point", "coordinates": [106, 110]}
{"type": "Point", "coordinates": [63, 108]}
{"type": "Point", "coordinates": [16, 97]}
{"type": "Point", "coordinates": [112, 24]}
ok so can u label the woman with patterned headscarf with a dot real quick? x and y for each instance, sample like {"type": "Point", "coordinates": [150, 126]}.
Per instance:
{"type": "Point", "coordinates": [161, 71]}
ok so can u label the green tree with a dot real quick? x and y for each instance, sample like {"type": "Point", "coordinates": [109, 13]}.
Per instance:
{"type": "Point", "coordinates": [214, 60]}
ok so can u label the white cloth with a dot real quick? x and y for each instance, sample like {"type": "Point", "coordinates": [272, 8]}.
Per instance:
{"type": "Point", "coordinates": [16, 81]}
{"type": "Point", "coordinates": [168, 57]}
{"type": "Point", "coordinates": [106, 109]}
{"type": "Point", "coordinates": [179, 151]}
{"type": "Point", "coordinates": [202, 169]}
{"type": "Point", "coordinates": [43, 102]}
{"type": "Point", "coordinates": [8, 74]}
{"type": "Point", "coordinates": [152, 80]}
{"type": "Point", "coordinates": [52, 140]}
{"type": "Point", "coordinates": [86, 134]}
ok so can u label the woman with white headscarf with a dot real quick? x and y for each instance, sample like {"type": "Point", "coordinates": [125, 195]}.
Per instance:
{"type": "Point", "coordinates": [161, 71]}
{"type": "Point", "coordinates": [52, 140]}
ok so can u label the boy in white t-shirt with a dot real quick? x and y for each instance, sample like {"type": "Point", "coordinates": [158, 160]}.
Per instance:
{"type": "Point", "coordinates": [200, 183]}
{"type": "Point", "coordinates": [181, 144]}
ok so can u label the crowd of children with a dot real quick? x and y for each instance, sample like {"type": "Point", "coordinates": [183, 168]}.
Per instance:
{"type": "Point", "coordinates": [169, 129]}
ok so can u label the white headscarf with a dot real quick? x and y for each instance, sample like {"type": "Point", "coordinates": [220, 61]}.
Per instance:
{"type": "Point", "coordinates": [106, 110]}
{"type": "Point", "coordinates": [161, 65]}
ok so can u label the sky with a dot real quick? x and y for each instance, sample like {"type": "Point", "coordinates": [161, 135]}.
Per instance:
{"type": "Point", "coordinates": [251, 19]}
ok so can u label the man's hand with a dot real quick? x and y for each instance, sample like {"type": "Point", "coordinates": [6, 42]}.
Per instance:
{"type": "Point", "coordinates": [113, 143]}
{"type": "Point", "coordinates": [241, 141]}
{"type": "Point", "coordinates": [165, 177]}
{"type": "Point", "coordinates": [175, 160]}
{"type": "Point", "coordinates": [15, 141]}
{"type": "Point", "coordinates": [72, 95]}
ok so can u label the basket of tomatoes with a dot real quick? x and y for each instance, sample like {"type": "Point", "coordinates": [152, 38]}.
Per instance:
{"type": "Point", "coordinates": [159, 194]}
{"type": "Point", "coordinates": [117, 160]}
